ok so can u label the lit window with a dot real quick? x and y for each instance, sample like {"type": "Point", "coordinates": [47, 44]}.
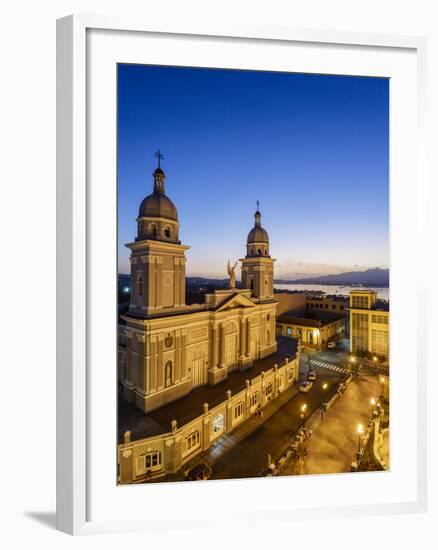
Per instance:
{"type": "Point", "coordinates": [192, 441]}
{"type": "Point", "coordinates": [238, 410]}
{"type": "Point", "coordinates": [218, 423]}
{"type": "Point", "coordinates": [153, 459]}
{"type": "Point", "coordinates": [168, 373]}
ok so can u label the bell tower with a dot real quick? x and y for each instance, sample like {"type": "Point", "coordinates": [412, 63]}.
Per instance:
{"type": "Point", "coordinates": [158, 275]}
{"type": "Point", "coordinates": [258, 266]}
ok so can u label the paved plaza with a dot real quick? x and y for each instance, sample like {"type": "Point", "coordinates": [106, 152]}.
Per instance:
{"type": "Point", "coordinates": [334, 441]}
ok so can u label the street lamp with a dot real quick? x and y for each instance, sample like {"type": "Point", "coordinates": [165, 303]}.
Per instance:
{"type": "Point", "coordinates": [303, 413]}
{"type": "Point", "coordinates": [359, 432]}
{"type": "Point", "coordinates": [325, 386]}
{"type": "Point", "coordinates": [382, 383]}
{"type": "Point", "coordinates": [352, 360]}
{"type": "Point", "coordinates": [373, 404]}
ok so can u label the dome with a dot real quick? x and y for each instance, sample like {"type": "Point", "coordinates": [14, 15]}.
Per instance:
{"type": "Point", "coordinates": [158, 205]}
{"type": "Point", "coordinates": [258, 235]}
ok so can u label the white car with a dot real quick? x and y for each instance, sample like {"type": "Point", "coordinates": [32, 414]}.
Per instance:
{"type": "Point", "coordinates": [331, 345]}
{"type": "Point", "coordinates": [306, 386]}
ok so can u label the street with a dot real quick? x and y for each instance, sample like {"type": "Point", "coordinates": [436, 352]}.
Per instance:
{"type": "Point", "coordinates": [249, 456]}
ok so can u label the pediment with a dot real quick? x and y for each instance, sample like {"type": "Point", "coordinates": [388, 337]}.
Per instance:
{"type": "Point", "coordinates": [235, 301]}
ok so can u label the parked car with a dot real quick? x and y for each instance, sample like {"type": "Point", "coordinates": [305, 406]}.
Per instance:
{"type": "Point", "coordinates": [311, 375]}
{"type": "Point", "coordinates": [306, 386]}
{"type": "Point", "coordinates": [199, 472]}
{"type": "Point", "coordinates": [331, 345]}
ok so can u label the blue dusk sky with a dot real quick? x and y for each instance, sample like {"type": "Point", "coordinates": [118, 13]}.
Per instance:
{"type": "Point", "coordinates": [313, 149]}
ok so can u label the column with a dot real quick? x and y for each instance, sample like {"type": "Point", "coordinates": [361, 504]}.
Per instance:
{"type": "Point", "coordinates": [248, 337]}
{"type": "Point", "coordinates": [141, 384]}
{"type": "Point", "coordinates": [147, 374]}
{"type": "Point", "coordinates": [158, 280]}
{"type": "Point", "coordinates": [178, 357]}
{"type": "Point", "coordinates": [153, 363]}
{"type": "Point", "coordinates": [214, 353]}
{"type": "Point", "coordinates": [222, 346]}
{"type": "Point", "coordinates": [183, 354]}
{"type": "Point", "coordinates": [160, 366]}
{"type": "Point", "coordinates": [182, 281]}
{"type": "Point", "coordinates": [242, 338]}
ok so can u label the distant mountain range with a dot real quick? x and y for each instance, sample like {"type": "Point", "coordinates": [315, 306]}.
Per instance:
{"type": "Point", "coordinates": [370, 277]}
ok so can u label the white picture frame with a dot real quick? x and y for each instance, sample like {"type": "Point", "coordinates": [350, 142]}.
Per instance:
{"type": "Point", "coordinates": [75, 215]}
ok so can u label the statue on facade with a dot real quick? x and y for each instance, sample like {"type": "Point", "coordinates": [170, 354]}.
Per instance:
{"type": "Point", "coordinates": [232, 274]}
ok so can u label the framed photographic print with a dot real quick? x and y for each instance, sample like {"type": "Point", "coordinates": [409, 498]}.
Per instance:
{"type": "Point", "coordinates": [239, 213]}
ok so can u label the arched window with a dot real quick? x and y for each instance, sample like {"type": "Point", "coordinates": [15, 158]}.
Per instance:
{"type": "Point", "coordinates": [153, 230]}
{"type": "Point", "coordinates": [140, 284]}
{"type": "Point", "coordinates": [251, 251]}
{"type": "Point", "coordinates": [251, 284]}
{"type": "Point", "coordinates": [140, 229]}
{"type": "Point", "coordinates": [259, 251]}
{"type": "Point", "coordinates": [168, 374]}
{"type": "Point", "coordinates": [167, 232]}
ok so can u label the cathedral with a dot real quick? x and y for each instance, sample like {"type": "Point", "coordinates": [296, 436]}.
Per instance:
{"type": "Point", "coordinates": [168, 348]}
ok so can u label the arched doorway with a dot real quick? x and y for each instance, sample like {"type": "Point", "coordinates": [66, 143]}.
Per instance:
{"type": "Point", "coordinates": [168, 374]}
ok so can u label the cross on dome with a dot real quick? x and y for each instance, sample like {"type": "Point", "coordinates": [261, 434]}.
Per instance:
{"type": "Point", "coordinates": [159, 156]}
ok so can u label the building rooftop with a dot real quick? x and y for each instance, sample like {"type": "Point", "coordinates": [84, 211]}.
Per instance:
{"type": "Point", "coordinates": [187, 408]}
{"type": "Point", "coordinates": [307, 318]}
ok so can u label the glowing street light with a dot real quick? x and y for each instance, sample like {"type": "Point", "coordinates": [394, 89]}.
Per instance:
{"type": "Point", "coordinates": [373, 404]}
{"type": "Point", "coordinates": [325, 386]}
{"type": "Point", "coordinates": [359, 432]}
{"type": "Point", "coordinates": [382, 383]}
{"type": "Point", "coordinates": [303, 412]}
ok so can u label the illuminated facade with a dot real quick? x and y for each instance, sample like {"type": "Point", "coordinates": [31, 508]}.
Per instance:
{"type": "Point", "coordinates": [369, 323]}
{"type": "Point", "coordinates": [166, 348]}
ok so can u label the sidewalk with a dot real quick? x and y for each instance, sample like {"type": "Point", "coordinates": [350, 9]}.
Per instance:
{"type": "Point", "coordinates": [334, 441]}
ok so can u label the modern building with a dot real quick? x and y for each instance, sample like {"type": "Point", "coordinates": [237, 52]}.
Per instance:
{"type": "Point", "coordinates": [369, 323]}
{"type": "Point", "coordinates": [197, 371]}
